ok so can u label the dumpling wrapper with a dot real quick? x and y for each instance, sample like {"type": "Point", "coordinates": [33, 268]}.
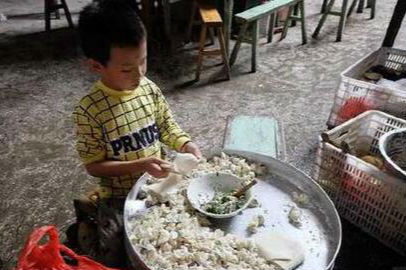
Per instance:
{"type": "Point", "coordinates": [184, 163]}
{"type": "Point", "coordinates": [161, 189]}
{"type": "Point", "coordinates": [280, 249]}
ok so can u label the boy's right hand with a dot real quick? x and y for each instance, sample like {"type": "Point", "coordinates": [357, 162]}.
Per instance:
{"type": "Point", "coordinates": [152, 166]}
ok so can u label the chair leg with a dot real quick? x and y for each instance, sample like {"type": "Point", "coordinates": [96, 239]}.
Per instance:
{"type": "Point", "coordinates": [323, 6]}
{"type": "Point", "coordinates": [323, 19]}
{"type": "Point", "coordinates": [145, 14]}
{"type": "Point", "coordinates": [342, 20]}
{"type": "Point", "coordinates": [254, 46]}
{"type": "Point", "coordinates": [277, 19]}
{"type": "Point", "coordinates": [201, 48]}
{"type": "Point", "coordinates": [47, 11]}
{"type": "Point", "coordinates": [295, 13]}
{"type": "Point", "coordinates": [286, 24]}
{"type": "Point", "coordinates": [302, 19]}
{"type": "Point", "coordinates": [192, 19]}
{"type": "Point", "coordinates": [57, 13]}
{"type": "Point", "coordinates": [352, 7]}
{"type": "Point", "coordinates": [224, 55]}
{"type": "Point", "coordinates": [372, 4]}
{"type": "Point", "coordinates": [237, 45]}
{"type": "Point", "coordinates": [361, 5]}
{"type": "Point", "coordinates": [167, 18]}
{"type": "Point", "coordinates": [211, 36]}
{"type": "Point", "coordinates": [271, 27]}
{"type": "Point", "coordinates": [67, 13]}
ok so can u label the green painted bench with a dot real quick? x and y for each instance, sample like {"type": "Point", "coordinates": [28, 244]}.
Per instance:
{"type": "Point", "coordinates": [250, 17]}
{"type": "Point", "coordinates": [327, 9]}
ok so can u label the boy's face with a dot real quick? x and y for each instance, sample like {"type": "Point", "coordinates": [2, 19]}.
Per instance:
{"type": "Point", "coordinates": [125, 68]}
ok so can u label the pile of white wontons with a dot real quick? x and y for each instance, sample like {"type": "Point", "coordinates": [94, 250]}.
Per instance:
{"type": "Point", "coordinates": [172, 235]}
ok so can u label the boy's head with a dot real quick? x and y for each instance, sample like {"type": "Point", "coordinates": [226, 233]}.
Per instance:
{"type": "Point", "coordinates": [113, 39]}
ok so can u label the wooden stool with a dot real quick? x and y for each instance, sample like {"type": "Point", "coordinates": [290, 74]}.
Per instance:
{"type": "Point", "coordinates": [211, 20]}
{"type": "Point", "coordinates": [53, 6]}
{"type": "Point", "coordinates": [343, 14]}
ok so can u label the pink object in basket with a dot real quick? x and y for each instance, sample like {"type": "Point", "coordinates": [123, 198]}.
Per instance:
{"type": "Point", "coordinates": [392, 146]}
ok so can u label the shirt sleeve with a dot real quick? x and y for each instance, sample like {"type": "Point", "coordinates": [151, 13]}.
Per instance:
{"type": "Point", "coordinates": [170, 132]}
{"type": "Point", "coordinates": [90, 144]}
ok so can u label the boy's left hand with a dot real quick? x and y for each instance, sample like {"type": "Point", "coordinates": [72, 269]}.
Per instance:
{"type": "Point", "coordinates": [192, 148]}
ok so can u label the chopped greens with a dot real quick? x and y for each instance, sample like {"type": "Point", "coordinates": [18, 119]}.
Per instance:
{"type": "Point", "coordinates": [224, 203]}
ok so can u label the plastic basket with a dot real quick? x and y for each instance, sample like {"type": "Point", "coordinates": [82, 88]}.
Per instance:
{"type": "Point", "coordinates": [366, 196]}
{"type": "Point", "coordinates": [390, 100]}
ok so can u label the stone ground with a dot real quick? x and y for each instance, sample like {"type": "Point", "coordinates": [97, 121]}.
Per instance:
{"type": "Point", "coordinates": [42, 77]}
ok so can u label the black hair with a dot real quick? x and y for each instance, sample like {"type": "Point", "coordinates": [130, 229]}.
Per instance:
{"type": "Point", "coordinates": [104, 24]}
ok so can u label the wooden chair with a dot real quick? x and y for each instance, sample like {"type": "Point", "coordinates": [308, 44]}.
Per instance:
{"type": "Point", "coordinates": [52, 6]}
{"type": "Point", "coordinates": [211, 20]}
{"type": "Point", "coordinates": [250, 17]}
{"type": "Point", "coordinates": [343, 14]}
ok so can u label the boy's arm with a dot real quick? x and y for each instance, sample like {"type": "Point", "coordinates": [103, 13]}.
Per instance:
{"type": "Point", "coordinates": [91, 149]}
{"type": "Point", "coordinates": [170, 132]}
{"type": "Point", "coordinates": [111, 168]}
{"type": "Point", "coordinates": [90, 143]}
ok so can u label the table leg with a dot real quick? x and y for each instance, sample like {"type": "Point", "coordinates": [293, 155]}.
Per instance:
{"type": "Point", "coordinates": [323, 18]}
{"type": "Point", "coordinates": [372, 5]}
{"type": "Point", "coordinates": [166, 6]}
{"type": "Point", "coordinates": [342, 21]}
{"type": "Point", "coordinates": [228, 19]}
{"type": "Point", "coordinates": [323, 6]}
{"type": "Point", "coordinates": [145, 14]}
{"type": "Point", "coordinates": [254, 46]}
{"type": "Point", "coordinates": [47, 6]}
{"type": "Point", "coordinates": [361, 5]}
{"type": "Point", "coordinates": [396, 22]}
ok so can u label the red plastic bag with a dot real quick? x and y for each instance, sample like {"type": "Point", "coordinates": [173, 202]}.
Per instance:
{"type": "Point", "coordinates": [35, 256]}
{"type": "Point", "coordinates": [353, 107]}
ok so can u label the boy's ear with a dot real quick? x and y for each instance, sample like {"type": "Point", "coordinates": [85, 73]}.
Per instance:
{"type": "Point", "coordinates": [94, 65]}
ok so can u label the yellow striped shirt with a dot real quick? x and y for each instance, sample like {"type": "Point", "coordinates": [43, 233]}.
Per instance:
{"type": "Point", "coordinates": [124, 125]}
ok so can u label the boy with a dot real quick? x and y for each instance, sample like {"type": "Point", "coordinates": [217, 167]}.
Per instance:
{"type": "Point", "coordinates": [122, 123]}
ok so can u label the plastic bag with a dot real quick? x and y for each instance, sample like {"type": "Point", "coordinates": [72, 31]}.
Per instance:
{"type": "Point", "coordinates": [48, 256]}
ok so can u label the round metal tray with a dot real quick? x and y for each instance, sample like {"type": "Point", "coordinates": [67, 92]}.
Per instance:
{"type": "Point", "coordinates": [320, 231]}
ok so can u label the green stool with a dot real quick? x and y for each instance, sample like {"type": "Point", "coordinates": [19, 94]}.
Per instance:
{"type": "Point", "coordinates": [360, 6]}
{"type": "Point", "coordinates": [343, 14]}
{"type": "Point", "coordinates": [249, 23]}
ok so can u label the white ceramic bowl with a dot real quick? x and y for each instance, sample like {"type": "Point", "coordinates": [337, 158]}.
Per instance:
{"type": "Point", "coordinates": [201, 190]}
{"type": "Point", "coordinates": [392, 146]}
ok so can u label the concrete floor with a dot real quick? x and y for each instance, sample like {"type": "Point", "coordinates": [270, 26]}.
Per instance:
{"type": "Point", "coordinates": [42, 77]}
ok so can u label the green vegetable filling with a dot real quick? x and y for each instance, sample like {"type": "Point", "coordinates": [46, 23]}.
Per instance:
{"type": "Point", "coordinates": [224, 203]}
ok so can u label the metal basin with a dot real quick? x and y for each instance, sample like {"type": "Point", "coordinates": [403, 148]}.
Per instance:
{"type": "Point", "coordinates": [320, 231]}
